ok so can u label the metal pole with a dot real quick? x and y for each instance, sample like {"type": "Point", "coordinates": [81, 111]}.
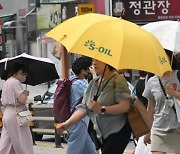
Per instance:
{"type": "Point", "coordinates": [64, 63]}
{"type": "Point", "coordinates": [31, 124]}
{"type": "Point", "coordinates": [26, 18]}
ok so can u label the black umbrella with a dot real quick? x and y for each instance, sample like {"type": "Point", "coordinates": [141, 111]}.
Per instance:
{"type": "Point", "coordinates": [40, 69]}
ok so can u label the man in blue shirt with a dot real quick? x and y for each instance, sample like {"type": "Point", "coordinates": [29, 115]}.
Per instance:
{"type": "Point", "coordinates": [79, 141]}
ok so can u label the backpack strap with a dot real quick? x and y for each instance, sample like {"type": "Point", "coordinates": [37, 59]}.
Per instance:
{"type": "Point", "coordinates": [73, 80]}
{"type": "Point", "coordinates": [80, 100]}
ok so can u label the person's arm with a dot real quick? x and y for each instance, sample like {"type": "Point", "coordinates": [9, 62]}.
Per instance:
{"type": "Point", "coordinates": [76, 117]}
{"type": "Point", "coordinates": [23, 97]}
{"type": "Point", "coordinates": [119, 108]}
{"type": "Point", "coordinates": [170, 91]}
{"type": "Point", "coordinates": [150, 109]}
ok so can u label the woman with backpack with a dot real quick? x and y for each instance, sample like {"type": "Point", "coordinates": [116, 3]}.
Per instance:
{"type": "Point", "coordinates": [107, 111]}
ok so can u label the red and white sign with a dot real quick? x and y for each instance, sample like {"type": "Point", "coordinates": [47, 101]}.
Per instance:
{"type": "Point", "coordinates": [22, 12]}
{"type": "Point", "coordinates": [149, 10]}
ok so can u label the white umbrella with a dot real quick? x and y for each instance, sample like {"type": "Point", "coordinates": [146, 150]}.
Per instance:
{"type": "Point", "coordinates": [167, 32]}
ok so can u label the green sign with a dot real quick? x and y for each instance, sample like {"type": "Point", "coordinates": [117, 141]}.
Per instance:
{"type": "Point", "coordinates": [162, 60]}
{"type": "Point", "coordinates": [92, 46]}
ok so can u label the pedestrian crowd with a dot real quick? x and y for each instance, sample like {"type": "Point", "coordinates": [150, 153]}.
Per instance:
{"type": "Point", "coordinates": [99, 123]}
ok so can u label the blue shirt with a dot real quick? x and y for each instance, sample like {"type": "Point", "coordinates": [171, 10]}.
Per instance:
{"type": "Point", "coordinates": [77, 91]}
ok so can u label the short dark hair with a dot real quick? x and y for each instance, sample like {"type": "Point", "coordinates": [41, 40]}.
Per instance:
{"type": "Point", "coordinates": [17, 67]}
{"type": "Point", "coordinates": [81, 63]}
{"type": "Point", "coordinates": [110, 67]}
{"type": "Point", "coordinates": [142, 73]}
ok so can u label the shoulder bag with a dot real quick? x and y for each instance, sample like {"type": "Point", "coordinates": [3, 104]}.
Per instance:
{"type": "Point", "coordinates": [23, 117]}
{"type": "Point", "coordinates": [139, 119]}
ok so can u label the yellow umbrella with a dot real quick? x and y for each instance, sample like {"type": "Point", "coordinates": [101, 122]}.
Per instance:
{"type": "Point", "coordinates": [117, 42]}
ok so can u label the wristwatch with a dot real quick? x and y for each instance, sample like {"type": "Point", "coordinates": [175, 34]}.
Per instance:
{"type": "Point", "coordinates": [103, 109]}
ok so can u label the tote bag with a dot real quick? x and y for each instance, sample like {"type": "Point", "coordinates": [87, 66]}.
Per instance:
{"type": "Point", "coordinates": [139, 119]}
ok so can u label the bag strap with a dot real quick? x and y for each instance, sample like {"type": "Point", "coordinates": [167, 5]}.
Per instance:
{"type": "Point", "coordinates": [173, 107]}
{"type": "Point", "coordinates": [96, 97]}
{"type": "Point", "coordinates": [15, 102]}
{"type": "Point", "coordinates": [73, 80]}
{"type": "Point", "coordinates": [160, 82]}
{"type": "Point", "coordinates": [80, 100]}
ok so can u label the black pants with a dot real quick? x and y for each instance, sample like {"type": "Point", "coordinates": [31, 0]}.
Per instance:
{"type": "Point", "coordinates": [93, 135]}
{"type": "Point", "coordinates": [117, 142]}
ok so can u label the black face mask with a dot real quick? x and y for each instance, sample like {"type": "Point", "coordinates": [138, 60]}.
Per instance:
{"type": "Point", "coordinates": [89, 77]}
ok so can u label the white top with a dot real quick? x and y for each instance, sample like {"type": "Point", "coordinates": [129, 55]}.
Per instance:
{"type": "Point", "coordinates": [11, 88]}
{"type": "Point", "coordinates": [165, 118]}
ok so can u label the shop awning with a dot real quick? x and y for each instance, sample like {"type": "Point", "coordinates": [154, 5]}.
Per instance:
{"type": "Point", "coordinates": [6, 18]}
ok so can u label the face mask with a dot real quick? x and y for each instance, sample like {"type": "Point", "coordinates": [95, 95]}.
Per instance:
{"type": "Point", "coordinates": [89, 77]}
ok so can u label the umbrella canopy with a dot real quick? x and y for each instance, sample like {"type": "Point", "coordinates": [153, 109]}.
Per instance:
{"type": "Point", "coordinates": [117, 42]}
{"type": "Point", "coordinates": [40, 69]}
{"type": "Point", "coordinates": [167, 32]}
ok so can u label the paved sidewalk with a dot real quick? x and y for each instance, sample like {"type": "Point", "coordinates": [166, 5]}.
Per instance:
{"type": "Point", "coordinates": [48, 148]}
{"type": "Point", "coordinates": [45, 147]}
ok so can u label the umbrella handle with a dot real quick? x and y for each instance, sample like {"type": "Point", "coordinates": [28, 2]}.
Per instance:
{"type": "Point", "coordinates": [5, 65]}
{"type": "Point", "coordinates": [95, 98]}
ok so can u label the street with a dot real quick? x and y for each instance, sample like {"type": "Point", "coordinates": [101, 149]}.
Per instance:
{"type": "Point", "coordinates": [47, 146]}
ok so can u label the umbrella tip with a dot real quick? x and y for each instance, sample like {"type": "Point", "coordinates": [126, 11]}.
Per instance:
{"type": "Point", "coordinates": [64, 36]}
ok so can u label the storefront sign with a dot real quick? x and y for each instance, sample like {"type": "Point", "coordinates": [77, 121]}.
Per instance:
{"type": "Point", "coordinates": [147, 10]}
{"type": "Point", "coordinates": [69, 10]}
{"type": "Point", "coordinates": [85, 8]}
